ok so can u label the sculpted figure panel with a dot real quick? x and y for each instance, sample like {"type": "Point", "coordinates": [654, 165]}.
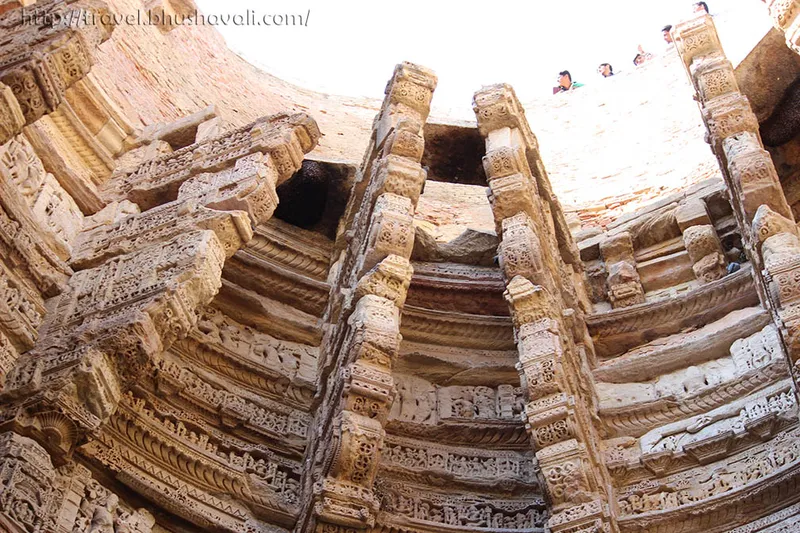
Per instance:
{"type": "Point", "coordinates": [733, 475]}
{"type": "Point", "coordinates": [53, 208]}
{"type": "Point", "coordinates": [20, 314]}
{"type": "Point", "coordinates": [471, 465]}
{"type": "Point", "coordinates": [26, 485]}
{"type": "Point", "coordinates": [749, 354]}
{"type": "Point", "coordinates": [293, 360]}
{"type": "Point", "coordinates": [464, 511]}
{"type": "Point", "coordinates": [421, 402]}
{"type": "Point", "coordinates": [624, 284]}
{"type": "Point", "coordinates": [733, 419]}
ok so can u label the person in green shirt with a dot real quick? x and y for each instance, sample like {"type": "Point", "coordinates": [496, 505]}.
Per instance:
{"type": "Point", "coordinates": [565, 83]}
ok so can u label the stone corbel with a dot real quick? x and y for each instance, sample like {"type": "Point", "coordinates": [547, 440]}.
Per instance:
{"type": "Point", "coordinates": [753, 174]}
{"type": "Point", "coordinates": [343, 507]}
{"type": "Point", "coordinates": [505, 161]}
{"type": "Point", "coordinates": [784, 14]}
{"type": "Point", "coordinates": [345, 496]}
{"type": "Point", "coordinates": [528, 302]}
{"type": "Point", "coordinates": [389, 279]}
{"type": "Point", "coordinates": [540, 359]}
{"type": "Point", "coordinates": [391, 231]}
{"type": "Point", "coordinates": [624, 284]}
{"type": "Point", "coordinates": [368, 390]}
{"type": "Point", "coordinates": [726, 116]}
{"type": "Point", "coordinates": [691, 212]}
{"type": "Point", "coordinates": [520, 251]}
{"type": "Point", "coordinates": [565, 468]}
{"type": "Point", "coordinates": [497, 107]}
{"type": "Point", "coordinates": [705, 251]}
{"type": "Point", "coordinates": [696, 38]}
{"type": "Point", "coordinates": [509, 196]}
{"type": "Point", "coordinates": [551, 420]}
{"type": "Point", "coordinates": [376, 321]}
{"type": "Point", "coordinates": [11, 118]}
{"type": "Point", "coordinates": [408, 96]}
{"type": "Point", "coordinates": [713, 76]}
{"type": "Point", "coordinates": [48, 59]}
{"type": "Point", "coordinates": [406, 141]}
{"type": "Point", "coordinates": [401, 176]}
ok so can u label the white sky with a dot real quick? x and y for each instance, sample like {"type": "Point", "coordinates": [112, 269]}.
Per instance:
{"type": "Point", "coordinates": [350, 47]}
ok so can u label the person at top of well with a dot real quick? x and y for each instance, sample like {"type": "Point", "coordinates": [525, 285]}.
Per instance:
{"type": "Point", "coordinates": [605, 70]}
{"type": "Point", "coordinates": [565, 82]}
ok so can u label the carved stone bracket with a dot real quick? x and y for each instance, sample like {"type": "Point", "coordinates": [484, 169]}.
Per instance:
{"type": "Point", "coordinates": [41, 58]}
{"type": "Point", "coordinates": [705, 251]}
{"type": "Point", "coordinates": [141, 281]}
{"type": "Point", "coordinates": [786, 17]}
{"type": "Point", "coordinates": [624, 284]}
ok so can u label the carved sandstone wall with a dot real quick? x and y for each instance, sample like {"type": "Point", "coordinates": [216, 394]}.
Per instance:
{"type": "Point", "coordinates": [212, 320]}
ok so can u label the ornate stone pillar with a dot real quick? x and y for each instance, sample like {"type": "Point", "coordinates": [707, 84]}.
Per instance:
{"type": "Point", "coordinates": [758, 201]}
{"type": "Point", "coordinates": [363, 317]}
{"type": "Point", "coordinates": [541, 274]}
{"type": "Point", "coordinates": [140, 280]}
{"type": "Point", "coordinates": [46, 48]}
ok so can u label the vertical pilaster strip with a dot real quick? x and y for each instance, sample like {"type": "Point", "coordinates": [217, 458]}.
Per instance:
{"type": "Point", "coordinates": [541, 278]}
{"type": "Point", "coordinates": [363, 318]}
{"type": "Point", "coordinates": [758, 201]}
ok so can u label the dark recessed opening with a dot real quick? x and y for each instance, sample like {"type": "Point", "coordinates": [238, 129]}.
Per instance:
{"type": "Point", "coordinates": [454, 153]}
{"type": "Point", "coordinates": [181, 138]}
{"type": "Point", "coordinates": [315, 197]}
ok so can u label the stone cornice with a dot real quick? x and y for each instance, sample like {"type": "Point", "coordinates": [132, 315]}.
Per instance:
{"type": "Point", "coordinates": [636, 420]}
{"type": "Point", "coordinates": [304, 252]}
{"type": "Point", "coordinates": [488, 434]}
{"type": "Point", "coordinates": [619, 329]}
{"type": "Point", "coordinates": [670, 353]}
{"type": "Point", "coordinates": [458, 288]}
{"type": "Point", "coordinates": [457, 329]}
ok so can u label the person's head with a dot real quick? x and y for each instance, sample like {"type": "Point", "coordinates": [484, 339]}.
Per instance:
{"type": "Point", "coordinates": [605, 70]}
{"type": "Point", "coordinates": [665, 31]}
{"type": "Point", "coordinates": [639, 59]}
{"type": "Point", "coordinates": [565, 79]}
{"type": "Point", "coordinates": [700, 7]}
